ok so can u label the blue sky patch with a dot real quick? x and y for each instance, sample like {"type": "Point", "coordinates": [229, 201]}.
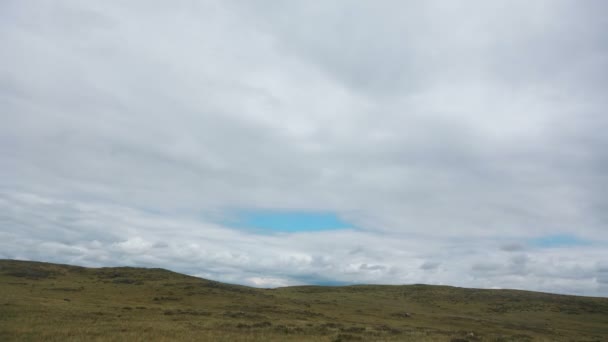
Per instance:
{"type": "Point", "coordinates": [559, 240]}
{"type": "Point", "coordinates": [288, 221]}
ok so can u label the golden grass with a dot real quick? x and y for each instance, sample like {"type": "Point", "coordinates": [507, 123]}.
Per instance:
{"type": "Point", "coordinates": [48, 302]}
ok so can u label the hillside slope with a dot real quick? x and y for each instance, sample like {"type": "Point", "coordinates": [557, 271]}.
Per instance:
{"type": "Point", "coordinates": [42, 301]}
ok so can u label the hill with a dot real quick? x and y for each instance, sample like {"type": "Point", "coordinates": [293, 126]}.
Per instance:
{"type": "Point", "coordinates": [51, 302]}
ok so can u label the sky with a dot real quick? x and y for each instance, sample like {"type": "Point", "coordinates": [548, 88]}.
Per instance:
{"type": "Point", "coordinates": [276, 143]}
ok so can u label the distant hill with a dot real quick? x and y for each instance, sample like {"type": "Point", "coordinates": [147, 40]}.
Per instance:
{"type": "Point", "coordinates": [51, 302]}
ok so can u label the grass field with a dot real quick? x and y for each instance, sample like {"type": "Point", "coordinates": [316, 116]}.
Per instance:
{"type": "Point", "coordinates": [50, 302]}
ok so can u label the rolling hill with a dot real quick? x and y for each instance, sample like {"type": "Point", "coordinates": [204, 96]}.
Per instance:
{"type": "Point", "coordinates": [51, 302]}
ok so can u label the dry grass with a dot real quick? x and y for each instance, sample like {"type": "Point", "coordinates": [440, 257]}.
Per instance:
{"type": "Point", "coordinates": [48, 302]}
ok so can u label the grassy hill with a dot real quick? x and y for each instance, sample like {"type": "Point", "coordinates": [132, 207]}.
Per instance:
{"type": "Point", "coordinates": [50, 302]}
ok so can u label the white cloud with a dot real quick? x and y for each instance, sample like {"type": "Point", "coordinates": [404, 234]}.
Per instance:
{"type": "Point", "coordinates": [345, 256]}
{"type": "Point", "coordinates": [444, 131]}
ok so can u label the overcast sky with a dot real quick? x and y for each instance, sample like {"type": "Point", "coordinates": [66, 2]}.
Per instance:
{"type": "Point", "coordinates": [448, 142]}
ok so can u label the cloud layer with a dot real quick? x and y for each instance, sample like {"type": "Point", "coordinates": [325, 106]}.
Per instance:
{"type": "Point", "coordinates": [451, 134]}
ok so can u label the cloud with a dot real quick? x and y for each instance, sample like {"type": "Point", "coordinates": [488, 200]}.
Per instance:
{"type": "Point", "coordinates": [439, 131]}
{"type": "Point", "coordinates": [269, 282]}
{"type": "Point", "coordinates": [126, 236]}
{"type": "Point", "coordinates": [512, 247]}
{"type": "Point", "coordinates": [430, 265]}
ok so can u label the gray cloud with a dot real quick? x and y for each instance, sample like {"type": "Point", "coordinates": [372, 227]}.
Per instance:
{"type": "Point", "coordinates": [512, 247]}
{"type": "Point", "coordinates": [429, 265]}
{"type": "Point", "coordinates": [450, 125]}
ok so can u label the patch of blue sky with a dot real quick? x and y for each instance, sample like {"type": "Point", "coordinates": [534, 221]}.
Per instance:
{"type": "Point", "coordinates": [287, 221]}
{"type": "Point", "coordinates": [558, 240]}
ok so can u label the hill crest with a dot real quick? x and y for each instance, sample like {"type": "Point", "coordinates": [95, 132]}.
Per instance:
{"type": "Point", "coordinates": [57, 302]}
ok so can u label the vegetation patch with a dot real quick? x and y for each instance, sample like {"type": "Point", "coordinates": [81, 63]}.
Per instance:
{"type": "Point", "coordinates": [188, 312]}
{"type": "Point", "coordinates": [49, 302]}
